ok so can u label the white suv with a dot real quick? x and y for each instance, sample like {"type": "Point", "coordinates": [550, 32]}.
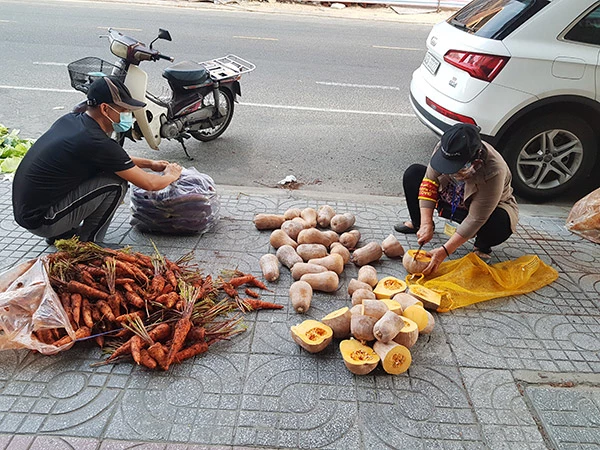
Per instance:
{"type": "Point", "coordinates": [528, 73]}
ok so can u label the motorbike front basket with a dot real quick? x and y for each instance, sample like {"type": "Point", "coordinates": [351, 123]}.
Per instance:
{"type": "Point", "coordinates": [85, 71]}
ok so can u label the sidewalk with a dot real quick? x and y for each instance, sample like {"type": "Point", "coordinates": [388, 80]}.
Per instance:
{"type": "Point", "coordinates": [405, 14]}
{"type": "Point", "coordinates": [512, 373]}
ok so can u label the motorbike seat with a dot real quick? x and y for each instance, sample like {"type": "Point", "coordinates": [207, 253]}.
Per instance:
{"type": "Point", "coordinates": [186, 73]}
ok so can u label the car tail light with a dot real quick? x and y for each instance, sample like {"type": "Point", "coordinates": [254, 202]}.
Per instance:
{"type": "Point", "coordinates": [478, 65]}
{"type": "Point", "coordinates": [446, 112]}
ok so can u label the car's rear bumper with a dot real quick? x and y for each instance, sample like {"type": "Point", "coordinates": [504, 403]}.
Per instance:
{"type": "Point", "coordinates": [489, 110]}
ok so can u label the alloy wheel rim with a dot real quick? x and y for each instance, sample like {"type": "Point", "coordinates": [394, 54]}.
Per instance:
{"type": "Point", "coordinates": [550, 159]}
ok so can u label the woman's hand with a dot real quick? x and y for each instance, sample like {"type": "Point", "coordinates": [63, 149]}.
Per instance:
{"type": "Point", "coordinates": [425, 233]}
{"type": "Point", "coordinates": [158, 166]}
{"type": "Point", "coordinates": [437, 255]}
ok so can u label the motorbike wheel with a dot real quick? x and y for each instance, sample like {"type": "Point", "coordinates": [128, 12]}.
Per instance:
{"type": "Point", "coordinates": [209, 134]}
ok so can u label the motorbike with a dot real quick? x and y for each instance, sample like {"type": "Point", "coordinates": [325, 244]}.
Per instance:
{"type": "Point", "coordinates": [202, 95]}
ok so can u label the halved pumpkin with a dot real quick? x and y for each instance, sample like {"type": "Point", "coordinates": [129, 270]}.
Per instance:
{"type": "Point", "coordinates": [429, 298]}
{"type": "Point", "coordinates": [312, 335]}
{"type": "Point", "coordinates": [409, 334]}
{"type": "Point", "coordinates": [360, 359]}
{"type": "Point", "coordinates": [417, 265]}
{"type": "Point", "coordinates": [395, 358]}
{"type": "Point", "coordinates": [388, 287]}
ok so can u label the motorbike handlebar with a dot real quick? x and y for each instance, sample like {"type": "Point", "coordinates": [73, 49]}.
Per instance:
{"type": "Point", "coordinates": [168, 58]}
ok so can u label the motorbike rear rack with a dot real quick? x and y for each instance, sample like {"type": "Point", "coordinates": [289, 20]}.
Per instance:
{"type": "Point", "coordinates": [229, 66]}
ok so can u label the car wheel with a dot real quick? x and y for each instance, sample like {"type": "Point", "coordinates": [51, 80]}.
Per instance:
{"type": "Point", "coordinates": [550, 154]}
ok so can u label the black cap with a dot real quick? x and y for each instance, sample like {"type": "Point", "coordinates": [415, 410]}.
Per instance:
{"type": "Point", "coordinates": [459, 145]}
{"type": "Point", "coordinates": [112, 90]}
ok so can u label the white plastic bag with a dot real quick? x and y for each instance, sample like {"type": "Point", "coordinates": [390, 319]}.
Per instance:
{"type": "Point", "coordinates": [584, 218]}
{"type": "Point", "coordinates": [28, 304]}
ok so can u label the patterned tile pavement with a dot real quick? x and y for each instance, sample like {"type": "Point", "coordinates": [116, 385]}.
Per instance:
{"type": "Point", "coordinates": [463, 390]}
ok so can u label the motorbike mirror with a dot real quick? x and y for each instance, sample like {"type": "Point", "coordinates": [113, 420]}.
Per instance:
{"type": "Point", "coordinates": [164, 34]}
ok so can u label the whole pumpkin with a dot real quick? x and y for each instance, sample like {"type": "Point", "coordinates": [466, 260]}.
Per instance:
{"type": "Point", "coordinates": [417, 265]}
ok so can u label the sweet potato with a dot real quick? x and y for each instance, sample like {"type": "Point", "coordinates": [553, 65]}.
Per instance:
{"type": "Point", "coordinates": [342, 222]}
{"type": "Point", "coordinates": [374, 308]}
{"type": "Point", "coordinates": [338, 248]}
{"type": "Point", "coordinates": [269, 264]}
{"type": "Point", "coordinates": [350, 239]}
{"type": "Point", "coordinates": [361, 326]}
{"type": "Point", "coordinates": [314, 236]}
{"type": "Point", "coordinates": [325, 282]}
{"type": "Point", "coordinates": [291, 213]}
{"type": "Point", "coordinates": [301, 295]}
{"type": "Point", "coordinates": [367, 254]}
{"type": "Point", "coordinates": [387, 327]}
{"type": "Point", "coordinates": [368, 274]}
{"type": "Point", "coordinates": [287, 256]}
{"type": "Point", "coordinates": [311, 251]}
{"type": "Point", "coordinates": [333, 262]}
{"type": "Point", "coordinates": [310, 216]}
{"type": "Point", "coordinates": [324, 215]}
{"type": "Point", "coordinates": [354, 284]}
{"type": "Point", "coordinates": [279, 238]}
{"type": "Point", "coordinates": [292, 229]}
{"type": "Point", "coordinates": [268, 221]}
{"type": "Point", "coordinates": [392, 248]}
{"type": "Point", "coordinates": [300, 269]}
{"type": "Point", "coordinates": [362, 294]}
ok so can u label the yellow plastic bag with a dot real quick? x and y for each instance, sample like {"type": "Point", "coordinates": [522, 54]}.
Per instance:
{"type": "Point", "coordinates": [469, 280]}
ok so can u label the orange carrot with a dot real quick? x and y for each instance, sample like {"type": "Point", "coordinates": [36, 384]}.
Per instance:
{"type": "Point", "coordinates": [94, 271]}
{"type": "Point", "coordinates": [252, 304]}
{"type": "Point", "coordinates": [193, 350]}
{"type": "Point", "coordinates": [229, 290]}
{"type": "Point", "coordinates": [114, 301]}
{"type": "Point", "coordinates": [122, 281]}
{"type": "Point", "coordinates": [170, 277]}
{"type": "Point", "coordinates": [65, 300]}
{"type": "Point", "coordinates": [44, 336]}
{"type": "Point", "coordinates": [81, 333]}
{"type": "Point", "coordinates": [146, 360]}
{"type": "Point", "coordinates": [105, 310]}
{"type": "Point", "coordinates": [86, 278]}
{"type": "Point", "coordinates": [158, 333]}
{"type": "Point", "coordinates": [131, 316]}
{"type": "Point", "coordinates": [251, 293]}
{"type": "Point", "coordinates": [247, 279]}
{"type": "Point", "coordinates": [100, 341]}
{"type": "Point", "coordinates": [159, 353]}
{"type": "Point", "coordinates": [135, 300]}
{"type": "Point", "coordinates": [76, 300]}
{"type": "Point", "coordinates": [137, 344]}
{"type": "Point", "coordinates": [86, 313]}
{"type": "Point", "coordinates": [128, 287]}
{"type": "Point", "coordinates": [89, 292]}
{"type": "Point", "coordinates": [157, 284]}
{"type": "Point", "coordinates": [182, 328]}
{"type": "Point", "coordinates": [168, 288]}
{"type": "Point", "coordinates": [197, 334]}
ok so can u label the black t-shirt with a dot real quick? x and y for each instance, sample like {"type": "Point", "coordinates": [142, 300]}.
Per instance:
{"type": "Point", "coordinates": [73, 150]}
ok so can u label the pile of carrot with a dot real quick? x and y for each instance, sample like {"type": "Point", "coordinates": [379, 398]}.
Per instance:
{"type": "Point", "coordinates": [148, 309]}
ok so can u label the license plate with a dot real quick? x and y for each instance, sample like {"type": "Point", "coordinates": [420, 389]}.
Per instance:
{"type": "Point", "coordinates": [431, 63]}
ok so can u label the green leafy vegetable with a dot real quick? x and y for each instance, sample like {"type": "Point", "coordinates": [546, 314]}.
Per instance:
{"type": "Point", "coordinates": [12, 149]}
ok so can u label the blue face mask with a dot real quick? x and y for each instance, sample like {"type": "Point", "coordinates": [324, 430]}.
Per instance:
{"type": "Point", "coordinates": [125, 121]}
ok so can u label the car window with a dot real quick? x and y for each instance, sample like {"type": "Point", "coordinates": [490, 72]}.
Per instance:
{"type": "Point", "coordinates": [495, 19]}
{"type": "Point", "coordinates": [587, 30]}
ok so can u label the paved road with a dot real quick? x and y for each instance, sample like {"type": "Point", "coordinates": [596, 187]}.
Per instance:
{"type": "Point", "coordinates": [328, 100]}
